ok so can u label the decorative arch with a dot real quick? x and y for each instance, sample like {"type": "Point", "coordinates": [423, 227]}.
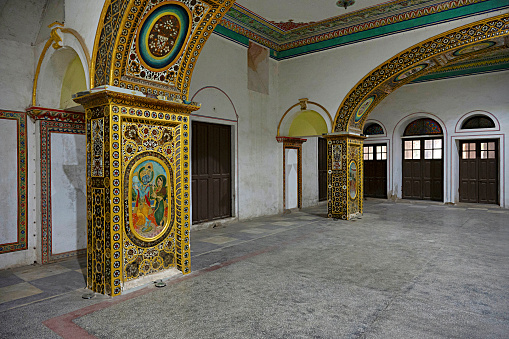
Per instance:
{"type": "Point", "coordinates": [215, 89]}
{"type": "Point", "coordinates": [374, 128]}
{"type": "Point", "coordinates": [401, 125]}
{"type": "Point", "coordinates": [319, 117]}
{"type": "Point", "coordinates": [461, 121]}
{"type": "Point", "coordinates": [60, 49]}
{"type": "Point", "coordinates": [124, 57]}
{"type": "Point", "coordinates": [423, 126]}
{"type": "Point", "coordinates": [448, 48]}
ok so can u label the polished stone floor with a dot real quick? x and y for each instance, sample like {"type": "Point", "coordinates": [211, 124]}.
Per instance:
{"type": "Point", "coordinates": [404, 270]}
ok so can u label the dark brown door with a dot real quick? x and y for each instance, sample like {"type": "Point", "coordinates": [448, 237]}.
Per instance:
{"type": "Point", "coordinates": [211, 176]}
{"type": "Point", "coordinates": [423, 169]}
{"type": "Point", "coordinates": [322, 169]}
{"type": "Point", "coordinates": [375, 171]}
{"type": "Point", "coordinates": [479, 171]}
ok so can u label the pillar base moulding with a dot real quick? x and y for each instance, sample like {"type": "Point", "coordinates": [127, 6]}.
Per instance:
{"type": "Point", "coordinates": [138, 189]}
{"type": "Point", "coordinates": [344, 175]}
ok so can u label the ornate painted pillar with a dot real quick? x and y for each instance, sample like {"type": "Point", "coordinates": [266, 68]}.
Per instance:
{"type": "Point", "coordinates": [344, 175]}
{"type": "Point", "coordinates": [138, 189]}
{"type": "Point", "coordinates": [137, 126]}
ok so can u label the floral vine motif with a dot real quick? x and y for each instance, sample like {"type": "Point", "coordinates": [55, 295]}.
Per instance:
{"type": "Point", "coordinates": [163, 34]}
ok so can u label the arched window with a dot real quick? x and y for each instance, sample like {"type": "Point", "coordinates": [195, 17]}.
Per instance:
{"type": "Point", "coordinates": [478, 121]}
{"type": "Point", "coordinates": [373, 129]}
{"type": "Point", "coordinates": [423, 126]}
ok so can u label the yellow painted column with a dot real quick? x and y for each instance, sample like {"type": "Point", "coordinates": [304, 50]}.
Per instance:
{"type": "Point", "coordinates": [344, 175]}
{"type": "Point", "coordinates": [138, 189]}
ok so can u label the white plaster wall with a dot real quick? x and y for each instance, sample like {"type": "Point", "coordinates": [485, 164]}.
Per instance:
{"type": "Point", "coordinates": [68, 192]}
{"type": "Point", "coordinates": [447, 101]}
{"type": "Point", "coordinates": [259, 181]}
{"type": "Point", "coordinates": [327, 77]}
{"type": "Point", "coordinates": [83, 16]}
{"type": "Point", "coordinates": [17, 75]}
{"type": "Point", "coordinates": [310, 172]}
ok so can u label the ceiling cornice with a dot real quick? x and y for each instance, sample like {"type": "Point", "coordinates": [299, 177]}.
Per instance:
{"type": "Point", "coordinates": [242, 25]}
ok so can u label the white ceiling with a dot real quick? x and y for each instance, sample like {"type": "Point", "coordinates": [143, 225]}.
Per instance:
{"type": "Point", "coordinates": [302, 10]}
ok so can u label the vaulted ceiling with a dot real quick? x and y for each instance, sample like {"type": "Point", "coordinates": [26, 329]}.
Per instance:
{"type": "Point", "coordinates": [304, 10]}
{"type": "Point", "coordinates": [291, 28]}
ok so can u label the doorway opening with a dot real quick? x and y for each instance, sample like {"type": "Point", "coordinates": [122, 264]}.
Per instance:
{"type": "Point", "coordinates": [423, 161]}
{"type": "Point", "coordinates": [211, 171]}
{"type": "Point", "coordinates": [479, 171]}
{"type": "Point", "coordinates": [375, 171]}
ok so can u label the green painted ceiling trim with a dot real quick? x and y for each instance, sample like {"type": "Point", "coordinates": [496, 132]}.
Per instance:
{"type": "Point", "coordinates": [462, 72]}
{"type": "Point", "coordinates": [231, 35]}
{"type": "Point", "coordinates": [449, 15]}
{"type": "Point", "coordinates": [236, 37]}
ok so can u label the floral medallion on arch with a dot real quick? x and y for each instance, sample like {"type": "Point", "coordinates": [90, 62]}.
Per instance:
{"type": "Point", "coordinates": [155, 45]}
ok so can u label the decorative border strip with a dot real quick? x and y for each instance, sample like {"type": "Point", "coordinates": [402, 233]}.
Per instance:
{"type": "Point", "coordinates": [46, 128]}
{"type": "Point", "coordinates": [400, 22]}
{"type": "Point", "coordinates": [22, 240]}
{"type": "Point", "coordinates": [40, 113]}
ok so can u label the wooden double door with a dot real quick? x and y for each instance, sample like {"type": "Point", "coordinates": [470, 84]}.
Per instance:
{"type": "Point", "coordinates": [211, 171]}
{"type": "Point", "coordinates": [423, 169]}
{"type": "Point", "coordinates": [375, 171]}
{"type": "Point", "coordinates": [479, 171]}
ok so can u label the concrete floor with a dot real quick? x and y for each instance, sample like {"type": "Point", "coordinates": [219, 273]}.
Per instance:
{"type": "Point", "coordinates": [405, 270]}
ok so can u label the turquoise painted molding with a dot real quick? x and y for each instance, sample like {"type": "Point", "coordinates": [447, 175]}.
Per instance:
{"type": "Point", "coordinates": [388, 29]}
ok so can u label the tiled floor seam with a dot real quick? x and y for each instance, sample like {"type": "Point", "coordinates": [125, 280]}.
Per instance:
{"type": "Point", "coordinates": [250, 240]}
{"type": "Point", "coordinates": [65, 327]}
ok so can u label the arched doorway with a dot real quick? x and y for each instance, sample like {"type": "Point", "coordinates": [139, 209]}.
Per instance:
{"type": "Point", "coordinates": [298, 122]}
{"type": "Point", "coordinates": [423, 160]}
{"type": "Point", "coordinates": [375, 154]}
{"type": "Point", "coordinates": [479, 155]}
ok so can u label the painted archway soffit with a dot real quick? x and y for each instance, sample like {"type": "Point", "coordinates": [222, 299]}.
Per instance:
{"type": "Point", "coordinates": [453, 47]}
{"type": "Point", "coordinates": [493, 61]}
{"type": "Point", "coordinates": [55, 41]}
{"type": "Point", "coordinates": [289, 39]}
{"type": "Point", "coordinates": [152, 46]}
{"type": "Point", "coordinates": [303, 103]}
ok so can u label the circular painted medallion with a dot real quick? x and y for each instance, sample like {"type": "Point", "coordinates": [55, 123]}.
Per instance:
{"type": "Point", "coordinates": [473, 48]}
{"type": "Point", "coordinates": [162, 35]}
{"type": "Point", "coordinates": [363, 108]}
{"type": "Point", "coordinates": [409, 72]}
